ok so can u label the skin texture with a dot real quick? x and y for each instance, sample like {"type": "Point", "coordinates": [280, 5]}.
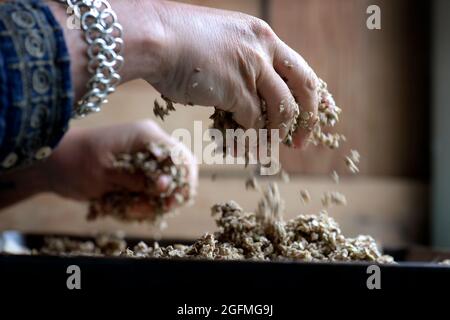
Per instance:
{"type": "Point", "coordinates": [230, 60]}
{"type": "Point", "coordinates": [190, 54]}
{"type": "Point", "coordinates": [208, 57]}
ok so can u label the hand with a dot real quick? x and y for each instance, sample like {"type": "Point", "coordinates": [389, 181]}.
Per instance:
{"type": "Point", "coordinates": [239, 59]}
{"type": "Point", "coordinates": [82, 165]}
{"type": "Point", "coordinates": [228, 59]}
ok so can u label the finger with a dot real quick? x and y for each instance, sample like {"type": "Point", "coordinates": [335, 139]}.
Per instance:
{"type": "Point", "coordinates": [280, 104]}
{"type": "Point", "coordinates": [126, 181]}
{"type": "Point", "coordinates": [182, 156]}
{"type": "Point", "coordinates": [149, 131]}
{"type": "Point", "coordinates": [146, 131]}
{"type": "Point", "coordinates": [171, 203]}
{"type": "Point", "coordinates": [162, 184]}
{"type": "Point", "coordinates": [247, 111]}
{"type": "Point", "coordinates": [303, 82]}
{"type": "Point", "coordinates": [140, 210]}
{"type": "Point", "coordinates": [135, 136]}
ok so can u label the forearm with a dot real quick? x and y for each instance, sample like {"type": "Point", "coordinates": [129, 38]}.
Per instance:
{"type": "Point", "coordinates": [21, 184]}
{"type": "Point", "coordinates": [143, 36]}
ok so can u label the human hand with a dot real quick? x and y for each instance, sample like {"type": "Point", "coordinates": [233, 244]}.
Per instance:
{"type": "Point", "coordinates": [203, 56]}
{"type": "Point", "coordinates": [229, 60]}
{"type": "Point", "coordinates": [82, 165]}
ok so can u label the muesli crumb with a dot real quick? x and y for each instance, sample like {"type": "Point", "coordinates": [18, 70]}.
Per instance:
{"type": "Point", "coordinates": [153, 162]}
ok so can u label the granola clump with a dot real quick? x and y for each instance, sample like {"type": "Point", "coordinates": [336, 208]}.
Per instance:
{"type": "Point", "coordinates": [328, 116]}
{"type": "Point", "coordinates": [162, 111]}
{"type": "Point", "coordinates": [330, 198]}
{"type": "Point", "coordinates": [153, 162]}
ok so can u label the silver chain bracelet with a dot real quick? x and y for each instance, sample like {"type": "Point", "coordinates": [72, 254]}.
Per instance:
{"type": "Point", "coordinates": [103, 33]}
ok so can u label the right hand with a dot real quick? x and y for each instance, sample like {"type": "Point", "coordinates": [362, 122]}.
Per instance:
{"type": "Point", "coordinates": [228, 60]}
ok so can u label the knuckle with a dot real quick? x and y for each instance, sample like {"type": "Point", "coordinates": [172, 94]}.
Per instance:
{"type": "Point", "coordinates": [261, 29]}
{"type": "Point", "coordinates": [311, 80]}
{"type": "Point", "coordinates": [248, 118]}
{"type": "Point", "coordinates": [147, 126]}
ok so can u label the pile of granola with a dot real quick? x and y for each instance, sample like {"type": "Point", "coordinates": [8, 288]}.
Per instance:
{"type": "Point", "coordinates": [261, 235]}
{"type": "Point", "coordinates": [104, 245]}
{"type": "Point", "coordinates": [153, 162]}
{"type": "Point", "coordinates": [264, 235]}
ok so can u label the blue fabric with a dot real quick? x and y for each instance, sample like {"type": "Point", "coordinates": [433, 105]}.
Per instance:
{"type": "Point", "coordinates": [36, 96]}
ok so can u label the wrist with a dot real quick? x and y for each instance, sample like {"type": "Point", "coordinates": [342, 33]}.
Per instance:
{"type": "Point", "coordinates": [144, 37]}
{"type": "Point", "coordinates": [21, 184]}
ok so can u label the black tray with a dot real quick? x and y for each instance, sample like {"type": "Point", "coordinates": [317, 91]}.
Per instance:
{"type": "Point", "coordinates": [185, 276]}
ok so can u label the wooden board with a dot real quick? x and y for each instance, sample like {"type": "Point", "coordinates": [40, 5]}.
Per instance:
{"type": "Point", "coordinates": [378, 77]}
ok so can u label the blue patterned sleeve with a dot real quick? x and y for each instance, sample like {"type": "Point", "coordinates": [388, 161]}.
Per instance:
{"type": "Point", "coordinates": [35, 86]}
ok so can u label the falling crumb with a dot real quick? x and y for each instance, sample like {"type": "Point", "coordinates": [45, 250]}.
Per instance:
{"type": "Point", "coordinates": [335, 176]}
{"type": "Point", "coordinates": [285, 176]}
{"type": "Point", "coordinates": [161, 111]}
{"type": "Point", "coordinates": [333, 198]}
{"type": "Point", "coordinates": [352, 161]}
{"type": "Point", "coordinates": [351, 166]}
{"type": "Point", "coordinates": [197, 69]}
{"type": "Point", "coordinates": [252, 183]}
{"type": "Point", "coordinates": [355, 156]}
{"type": "Point", "coordinates": [211, 89]}
{"type": "Point", "coordinates": [195, 84]}
{"type": "Point", "coordinates": [305, 196]}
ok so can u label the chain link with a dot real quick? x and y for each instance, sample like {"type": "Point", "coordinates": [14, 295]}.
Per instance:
{"type": "Point", "coordinates": [103, 33]}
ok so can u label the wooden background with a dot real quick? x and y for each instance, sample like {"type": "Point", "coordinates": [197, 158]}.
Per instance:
{"type": "Point", "coordinates": [379, 78]}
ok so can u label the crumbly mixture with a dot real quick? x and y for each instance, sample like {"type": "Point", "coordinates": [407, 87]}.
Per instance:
{"type": "Point", "coordinates": [261, 235]}
{"type": "Point", "coordinates": [305, 196]}
{"type": "Point", "coordinates": [153, 162]}
{"type": "Point", "coordinates": [330, 198]}
{"type": "Point", "coordinates": [328, 116]}
{"type": "Point", "coordinates": [352, 161]}
{"type": "Point", "coordinates": [104, 245]}
{"type": "Point", "coordinates": [162, 111]}
{"type": "Point", "coordinates": [335, 177]}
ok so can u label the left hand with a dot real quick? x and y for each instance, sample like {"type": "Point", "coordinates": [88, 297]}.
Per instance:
{"type": "Point", "coordinates": [82, 165]}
